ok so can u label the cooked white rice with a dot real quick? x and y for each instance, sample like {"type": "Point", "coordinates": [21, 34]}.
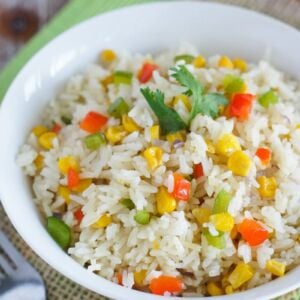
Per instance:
{"type": "Point", "coordinates": [172, 242]}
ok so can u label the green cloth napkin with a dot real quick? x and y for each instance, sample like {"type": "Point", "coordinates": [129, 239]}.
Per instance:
{"type": "Point", "coordinates": [73, 13]}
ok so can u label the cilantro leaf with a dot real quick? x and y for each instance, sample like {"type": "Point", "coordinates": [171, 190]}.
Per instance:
{"type": "Point", "coordinates": [169, 119]}
{"type": "Point", "coordinates": [206, 104]}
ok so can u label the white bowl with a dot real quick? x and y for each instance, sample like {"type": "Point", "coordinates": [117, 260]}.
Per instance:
{"type": "Point", "coordinates": [214, 28]}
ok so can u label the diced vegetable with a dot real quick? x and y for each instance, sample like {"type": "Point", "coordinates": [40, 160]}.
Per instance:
{"type": "Point", "coordinates": [184, 100]}
{"type": "Point", "coordinates": [252, 232]}
{"type": "Point", "coordinates": [115, 134]}
{"type": "Point", "coordinates": [64, 192]}
{"type": "Point", "coordinates": [182, 188]}
{"type": "Point", "coordinates": [227, 144]}
{"type": "Point", "coordinates": [103, 221]}
{"type": "Point", "coordinates": [214, 289]}
{"type": "Point", "coordinates": [39, 162]}
{"type": "Point", "coordinates": [122, 77]}
{"type": "Point", "coordinates": [154, 132]}
{"type": "Point", "coordinates": [118, 108]}
{"type": "Point", "coordinates": [268, 99]}
{"type": "Point", "coordinates": [221, 203]}
{"type": "Point", "coordinates": [241, 274]}
{"type": "Point", "coordinates": [225, 62]}
{"type": "Point", "coordinates": [108, 56]}
{"type": "Point", "coordinates": [83, 185]}
{"type": "Point", "coordinates": [229, 290]}
{"type": "Point", "coordinates": [56, 128]}
{"type": "Point", "coordinates": [94, 141]}
{"type": "Point", "coordinates": [198, 171]}
{"type": "Point", "coordinates": [139, 277]}
{"type": "Point", "coordinates": [146, 72]}
{"type": "Point", "coordinates": [119, 278]}
{"type": "Point", "coordinates": [39, 130]}
{"type": "Point", "coordinates": [165, 202]}
{"type": "Point", "coordinates": [275, 267]}
{"type": "Point", "coordinates": [66, 120]}
{"type": "Point", "coordinates": [73, 178]}
{"type": "Point", "coordinates": [222, 221]}
{"type": "Point", "coordinates": [267, 186]}
{"type": "Point", "coordinates": [169, 119]}
{"type": "Point", "coordinates": [129, 124]}
{"type": "Point", "coordinates": [59, 231]}
{"type": "Point", "coordinates": [215, 241]}
{"type": "Point", "coordinates": [153, 155]}
{"type": "Point", "coordinates": [201, 214]}
{"type": "Point", "coordinates": [199, 61]}
{"type": "Point", "coordinates": [46, 139]}
{"type": "Point", "coordinates": [240, 106]}
{"type": "Point", "coordinates": [234, 84]}
{"type": "Point", "coordinates": [163, 284]}
{"type": "Point", "coordinates": [175, 136]}
{"type": "Point", "coordinates": [67, 162]}
{"type": "Point", "coordinates": [93, 122]}
{"type": "Point", "coordinates": [264, 154]}
{"type": "Point", "coordinates": [187, 58]}
{"type": "Point", "coordinates": [128, 203]}
{"type": "Point", "coordinates": [234, 232]}
{"type": "Point", "coordinates": [239, 163]}
{"type": "Point", "coordinates": [142, 217]}
{"type": "Point", "coordinates": [240, 64]}
{"type": "Point", "coordinates": [78, 214]}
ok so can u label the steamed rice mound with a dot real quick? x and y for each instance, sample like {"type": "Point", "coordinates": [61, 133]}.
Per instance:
{"type": "Point", "coordinates": [201, 252]}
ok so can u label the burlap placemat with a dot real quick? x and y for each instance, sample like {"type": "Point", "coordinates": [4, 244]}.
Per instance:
{"type": "Point", "coordinates": [58, 286]}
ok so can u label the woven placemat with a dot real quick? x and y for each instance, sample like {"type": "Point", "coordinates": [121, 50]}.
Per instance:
{"type": "Point", "coordinates": [58, 286]}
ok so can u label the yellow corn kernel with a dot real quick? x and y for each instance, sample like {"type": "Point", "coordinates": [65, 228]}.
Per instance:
{"type": "Point", "coordinates": [239, 163]}
{"type": "Point", "coordinates": [175, 136]}
{"type": "Point", "coordinates": [103, 221]}
{"type": "Point", "coordinates": [46, 139]}
{"type": "Point", "coordinates": [240, 64]}
{"type": "Point", "coordinates": [227, 144]}
{"type": "Point", "coordinates": [165, 203]}
{"type": "Point", "coordinates": [115, 134]}
{"type": "Point", "coordinates": [129, 124]}
{"type": "Point", "coordinates": [225, 62]}
{"type": "Point", "coordinates": [234, 232]}
{"type": "Point", "coordinates": [184, 100]}
{"type": "Point", "coordinates": [201, 214]}
{"type": "Point", "coordinates": [229, 290]}
{"type": "Point", "coordinates": [213, 289]}
{"type": "Point", "coordinates": [298, 126]}
{"type": "Point", "coordinates": [267, 186]}
{"type": "Point", "coordinates": [154, 132]}
{"type": "Point", "coordinates": [222, 221]}
{"type": "Point", "coordinates": [108, 55]}
{"type": "Point", "coordinates": [155, 245]}
{"type": "Point", "coordinates": [83, 185]}
{"type": "Point", "coordinates": [39, 162]}
{"type": "Point", "coordinates": [241, 274]}
{"type": "Point", "coordinates": [210, 147]}
{"type": "Point", "coordinates": [199, 61]}
{"type": "Point", "coordinates": [275, 267]}
{"type": "Point", "coordinates": [139, 277]}
{"type": "Point", "coordinates": [64, 192]}
{"type": "Point", "coordinates": [67, 162]}
{"type": "Point", "coordinates": [39, 130]}
{"type": "Point", "coordinates": [153, 155]}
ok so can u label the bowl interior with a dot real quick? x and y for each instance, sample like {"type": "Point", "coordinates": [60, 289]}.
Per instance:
{"type": "Point", "coordinates": [213, 28]}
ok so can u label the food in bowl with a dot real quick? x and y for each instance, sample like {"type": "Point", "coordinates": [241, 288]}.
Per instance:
{"type": "Point", "coordinates": [172, 174]}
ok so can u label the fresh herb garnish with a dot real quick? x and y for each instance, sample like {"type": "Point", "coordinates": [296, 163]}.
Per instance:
{"type": "Point", "coordinates": [206, 104]}
{"type": "Point", "coordinates": [169, 119]}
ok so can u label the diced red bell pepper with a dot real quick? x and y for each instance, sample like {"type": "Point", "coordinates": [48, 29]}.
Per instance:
{"type": "Point", "coordinates": [78, 214]}
{"type": "Point", "coordinates": [182, 188]}
{"type": "Point", "coordinates": [73, 178]}
{"type": "Point", "coordinates": [146, 71]}
{"type": "Point", "coordinates": [198, 171]}
{"type": "Point", "coordinates": [163, 284]}
{"type": "Point", "coordinates": [119, 278]}
{"type": "Point", "coordinates": [56, 128]}
{"type": "Point", "coordinates": [240, 106]}
{"type": "Point", "coordinates": [93, 122]}
{"type": "Point", "coordinates": [264, 154]}
{"type": "Point", "coordinates": [252, 232]}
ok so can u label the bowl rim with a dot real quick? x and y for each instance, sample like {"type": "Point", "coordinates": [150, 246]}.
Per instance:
{"type": "Point", "coordinates": [255, 292]}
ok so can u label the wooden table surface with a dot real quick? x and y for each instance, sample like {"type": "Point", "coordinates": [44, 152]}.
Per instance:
{"type": "Point", "coordinates": [20, 20]}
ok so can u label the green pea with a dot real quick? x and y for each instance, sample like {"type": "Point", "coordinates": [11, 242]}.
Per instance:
{"type": "Point", "coordinates": [142, 217]}
{"type": "Point", "coordinates": [128, 203]}
{"type": "Point", "coordinates": [118, 108]}
{"type": "Point", "coordinates": [59, 231]}
{"type": "Point", "coordinates": [66, 120]}
{"type": "Point", "coordinates": [221, 202]}
{"type": "Point", "coordinates": [188, 59]}
{"type": "Point", "coordinates": [268, 98]}
{"type": "Point", "coordinates": [122, 77]}
{"type": "Point", "coordinates": [217, 241]}
{"type": "Point", "coordinates": [94, 141]}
